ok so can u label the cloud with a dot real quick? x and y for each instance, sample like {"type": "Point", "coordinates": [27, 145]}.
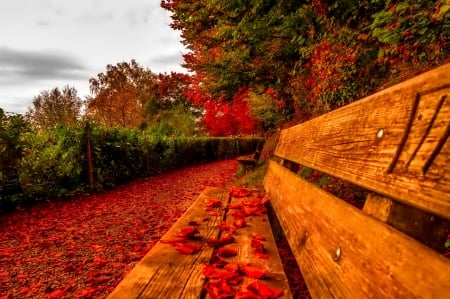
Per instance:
{"type": "Point", "coordinates": [18, 66]}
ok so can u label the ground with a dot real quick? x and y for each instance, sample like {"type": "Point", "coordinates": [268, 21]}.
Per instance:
{"type": "Point", "coordinates": [83, 247]}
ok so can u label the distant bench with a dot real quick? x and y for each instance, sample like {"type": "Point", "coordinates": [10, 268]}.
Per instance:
{"type": "Point", "coordinates": [393, 143]}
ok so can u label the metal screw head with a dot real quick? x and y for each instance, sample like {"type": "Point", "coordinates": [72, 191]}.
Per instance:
{"type": "Point", "coordinates": [337, 254]}
{"type": "Point", "coordinates": [380, 133]}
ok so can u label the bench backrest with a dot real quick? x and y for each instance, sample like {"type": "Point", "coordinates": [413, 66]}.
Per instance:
{"type": "Point", "coordinates": [394, 143]}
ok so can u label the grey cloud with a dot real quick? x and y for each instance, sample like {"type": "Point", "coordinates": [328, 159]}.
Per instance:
{"type": "Point", "coordinates": [37, 65]}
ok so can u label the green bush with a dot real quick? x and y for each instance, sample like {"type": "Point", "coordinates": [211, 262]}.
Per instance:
{"type": "Point", "coordinates": [55, 163]}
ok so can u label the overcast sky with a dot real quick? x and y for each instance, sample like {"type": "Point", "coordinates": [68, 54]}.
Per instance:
{"type": "Point", "coordinates": [52, 43]}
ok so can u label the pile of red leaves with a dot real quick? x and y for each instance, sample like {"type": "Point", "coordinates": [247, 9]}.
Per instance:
{"type": "Point", "coordinates": [224, 279]}
{"type": "Point", "coordinates": [82, 248]}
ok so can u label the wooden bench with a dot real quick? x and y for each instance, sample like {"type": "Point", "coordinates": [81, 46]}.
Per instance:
{"type": "Point", "coordinates": [393, 143]}
{"type": "Point", "coordinates": [170, 270]}
{"type": "Point", "coordinates": [396, 144]}
{"type": "Point", "coordinates": [250, 161]}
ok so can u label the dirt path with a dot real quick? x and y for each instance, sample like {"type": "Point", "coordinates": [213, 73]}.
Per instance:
{"type": "Point", "coordinates": [82, 248]}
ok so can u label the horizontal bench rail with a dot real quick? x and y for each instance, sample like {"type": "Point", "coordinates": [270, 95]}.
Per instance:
{"type": "Point", "coordinates": [344, 253]}
{"type": "Point", "coordinates": [395, 142]}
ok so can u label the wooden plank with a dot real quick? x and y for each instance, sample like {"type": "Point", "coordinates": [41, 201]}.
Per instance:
{"type": "Point", "coordinates": [395, 142]}
{"type": "Point", "coordinates": [259, 225]}
{"type": "Point", "coordinates": [157, 274]}
{"type": "Point", "coordinates": [424, 227]}
{"type": "Point", "coordinates": [375, 260]}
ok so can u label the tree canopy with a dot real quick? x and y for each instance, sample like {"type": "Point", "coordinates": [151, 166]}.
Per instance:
{"type": "Point", "coordinates": [307, 56]}
{"type": "Point", "coordinates": [53, 107]}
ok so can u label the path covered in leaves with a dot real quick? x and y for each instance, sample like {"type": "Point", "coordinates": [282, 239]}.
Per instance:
{"type": "Point", "coordinates": [82, 248]}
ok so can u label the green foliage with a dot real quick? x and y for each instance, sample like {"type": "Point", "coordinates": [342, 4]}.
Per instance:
{"type": "Point", "coordinates": [12, 127]}
{"type": "Point", "coordinates": [266, 109]}
{"type": "Point", "coordinates": [54, 163]}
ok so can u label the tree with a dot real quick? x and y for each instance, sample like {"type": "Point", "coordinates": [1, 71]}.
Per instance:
{"type": "Point", "coordinates": [120, 94]}
{"type": "Point", "coordinates": [12, 126]}
{"type": "Point", "coordinates": [54, 107]}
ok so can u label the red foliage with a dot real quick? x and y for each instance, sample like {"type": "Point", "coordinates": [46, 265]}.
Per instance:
{"type": "Point", "coordinates": [226, 252]}
{"type": "Point", "coordinates": [82, 248]}
{"type": "Point", "coordinates": [264, 291]}
{"type": "Point", "coordinates": [224, 240]}
{"type": "Point", "coordinates": [253, 271]}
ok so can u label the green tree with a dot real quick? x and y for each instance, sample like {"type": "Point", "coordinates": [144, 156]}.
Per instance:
{"type": "Point", "coordinates": [12, 127]}
{"type": "Point", "coordinates": [53, 107]}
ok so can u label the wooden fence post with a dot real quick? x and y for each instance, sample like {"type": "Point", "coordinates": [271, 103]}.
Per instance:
{"type": "Point", "coordinates": [90, 164]}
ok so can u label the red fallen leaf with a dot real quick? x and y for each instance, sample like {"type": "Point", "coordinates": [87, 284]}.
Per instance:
{"type": "Point", "coordinates": [187, 248]}
{"type": "Point", "coordinates": [232, 267]}
{"type": "Point", "coordinates": [239, 192]}
{"type": "Point", "coordinates": [188, 232]}
{"type": "Point", "coordinates": [212, 272]}
{"type": "Point", "coordinates": [264, 291]}
{"type": "Point", "coordinates": [226, 252]}
{"type": "Point", "coordinates": [193, 223]}
{"type": "Point", "coordinates": [215, 214]}
{"type": "Point", "coordinates": [265, 199]}
{"type": "Point", "coordinates": [235, 206]}
{"type": "Point", "coordinates": [241, 294]}
{"type": "Point", "coordinates": [23, 291]}
{"type": "Point", "coordinates": [259, 247]}
{"type": "Point", "coordinates": [223, 226]}
{"type": "Point", "coordinates": [238, 214]}
{"type": "Point", "coordinates": [224, 240]}
{"type": "Point", "coordinates": [258, 237]}
{"type": "Point", "coordinates": [213, 203]}
{"type": "Point", "coordinates": [239, 223]}
{"type": "Point", "coordinates": [100, 260]}
{"type": "Point", "coordinates": [56, 294]}
{"type": "Point", "coordinates": [219, 289]}
{"type": "Point", "coordinates": [262, 255]}
{"type": "Point", "coordinates": [85, 293]}
{"type": "Point", "coordinates": [253, 271]}
{"type": "Point", "coordinates": [255, 211]}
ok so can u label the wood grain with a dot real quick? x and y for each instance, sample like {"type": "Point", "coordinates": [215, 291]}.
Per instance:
{"type": "Point", "coordinates": [428, 229]}
{"type": "Point", "coordinates": [246, 254]}
{"type": "Point", "coordinates": [375, 261]}
{"type": "Point", "coordinates": [395, 142]}
{"type": "Point", "coordinates": [166, 273]}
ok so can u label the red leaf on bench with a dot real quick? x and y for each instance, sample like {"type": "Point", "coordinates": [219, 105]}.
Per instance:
{"type": "Point", "coordinates": [187, 248]}
{"type": "Point", "coordinates": [219, 289]}
{"type": "Point", "coordinates": [239, 223]}
{"type": "Point", "coordinates": [258, 237]}
{"type": "Point", "coordinates": [261, 255]}
{"type": "Point", "coordinates": [223, 226]}
{"type": "Point", "coordinates": [264, 291]}
{"type": "Point", "coordinates": [213, 203]}
{"type": "Point", "coordinates": [193, 223]}
{"type": "Point", "coordinates": [188, 232]}
{"type": "Point", "coordinates": [212, 272]}
{"type": "Point", "coordinates": [235, 206]}
{"type": "Point", "coordinates": [259, 247]}
{"type": "Point", "coordinates": [253, 271]}
{"type": "Point", "coordinates": [224, 240]}
{"type": "Point", "coordinates": [241, 294]}
{"type": "Point", "coordinates": [226, 252]}
{"type": "Point", "coordinates": [239, 192]}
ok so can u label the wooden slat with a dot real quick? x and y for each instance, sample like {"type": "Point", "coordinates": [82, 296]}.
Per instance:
{"type": "Point", "coordinates": [395, 142]}
{"type": "Point", "coordinates": [246, 254]}
{"type": "Point", "coordinates": [428, 229]}
{"type": "Point", "coordinates": [376, 261]}
{"type": "Point", "coordinates": [157, 274]}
